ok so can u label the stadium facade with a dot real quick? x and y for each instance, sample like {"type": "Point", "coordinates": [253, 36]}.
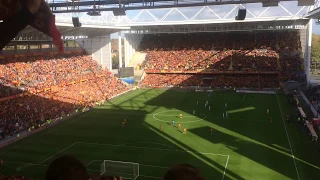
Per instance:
{"type": "Point", "coordinates": [183, 17]}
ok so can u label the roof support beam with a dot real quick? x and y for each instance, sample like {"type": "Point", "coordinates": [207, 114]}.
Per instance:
{"type": "Point", "coordinates": [109, 5]}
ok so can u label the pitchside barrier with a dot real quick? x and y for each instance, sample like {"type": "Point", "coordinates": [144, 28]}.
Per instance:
{"type": "Point", "coordinates": [310, 105]}
{"type": "Point", "coordinates": [210, 89]}
{"type": "Point", "coordinates": [255, 92]}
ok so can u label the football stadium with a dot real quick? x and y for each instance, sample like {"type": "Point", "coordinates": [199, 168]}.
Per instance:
{"type": "Point", "coordinates": [155, 89]}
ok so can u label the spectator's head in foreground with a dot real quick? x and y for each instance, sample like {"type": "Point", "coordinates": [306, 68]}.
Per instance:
{"type": "Point", "coordinates": [66, 168]}
{"type": "Point", "coordinates": [182, 172]}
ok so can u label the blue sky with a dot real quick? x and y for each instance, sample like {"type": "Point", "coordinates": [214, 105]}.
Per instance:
{"type": "Point", "coordinates": [315, 28]}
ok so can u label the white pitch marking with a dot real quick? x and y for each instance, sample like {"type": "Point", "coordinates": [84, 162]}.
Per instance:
{"type": "Point", "coordinates": [14, 162]}
{"type": "Point", "coordinates": [90, 162]}
{"type": "Point", "coordinates": [225, 167]}
{"type": "Point", "coordinates": [285, 127]}
{"type": "Point", "coordinates": [57, 153]}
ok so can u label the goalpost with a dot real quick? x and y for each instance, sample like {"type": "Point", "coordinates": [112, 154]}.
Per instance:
{"type": "Point", "coordinates": [127, 170]}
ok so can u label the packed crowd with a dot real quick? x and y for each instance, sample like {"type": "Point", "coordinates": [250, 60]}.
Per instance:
{"type": "Point", "coordinates": [37, 89]}
{"type": "Point", "coordinates": [237, 53]}
{"type": "Point", "coordinates": [194, 60]}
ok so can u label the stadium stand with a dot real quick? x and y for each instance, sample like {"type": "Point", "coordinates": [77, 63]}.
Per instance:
{"type": "Point", "coordinates": [248, 60]}
{"type": "Point", "coordinates": [313, 95]}
{"type": "Point", "coordinates": [37, 89]}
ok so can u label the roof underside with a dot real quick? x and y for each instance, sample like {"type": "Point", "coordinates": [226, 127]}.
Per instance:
{"type": "Point", "coordinates": [29, 33]}
{"type": "Point", "coordinates": [63, 6]}
{"type": "Point", "coordinates": [286, 10]}
{"type": "Point", "coordinates": [315, 10]}
{"type": "Point", "coordinates": [209, 18]}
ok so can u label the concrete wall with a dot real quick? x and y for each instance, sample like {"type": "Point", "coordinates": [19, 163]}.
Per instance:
{"type": "Point", "coordinates": [305, 39]}
{"type": "Point", "coordinates": [99, 48]}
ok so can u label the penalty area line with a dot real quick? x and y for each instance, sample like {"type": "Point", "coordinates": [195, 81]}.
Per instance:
{"type": "Point", "coordinates": [57, 153]}
{"type": "Point", "coordinates": [225, 167]}
{"type": "Point", "coordinates": [285, 127]}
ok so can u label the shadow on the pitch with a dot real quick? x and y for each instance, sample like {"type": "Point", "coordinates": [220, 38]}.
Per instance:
{"type": "Point", "coordinates": [200, 159]}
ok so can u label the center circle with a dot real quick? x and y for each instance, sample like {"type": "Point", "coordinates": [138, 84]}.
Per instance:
{"type": "Point", "coordinates": [161, 112]}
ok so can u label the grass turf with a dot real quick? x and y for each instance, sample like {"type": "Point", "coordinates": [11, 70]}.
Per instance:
{"type": "Point", "coordinates": [246, 145]}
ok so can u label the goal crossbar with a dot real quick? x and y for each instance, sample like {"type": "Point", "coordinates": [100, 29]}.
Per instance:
{"type": "Point", "coordinates": [127, 170]}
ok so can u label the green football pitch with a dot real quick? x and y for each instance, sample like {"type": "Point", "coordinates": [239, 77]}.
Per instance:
{"type": "Point", "coordinates": [244, 145]}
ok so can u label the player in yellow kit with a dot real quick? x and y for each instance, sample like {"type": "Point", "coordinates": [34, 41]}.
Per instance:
{"type": "Point", "coordinates": [180, 115]}
{"type": "Point", "coordinates": [179, 125]}
{"type": "Point", "coordinates": [185, 131]}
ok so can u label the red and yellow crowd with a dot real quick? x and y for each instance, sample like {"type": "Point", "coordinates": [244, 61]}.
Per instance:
{"type": "Point", "coordinates": [182, 60]}
{"type": "Point", "coordinates": [37, 89]}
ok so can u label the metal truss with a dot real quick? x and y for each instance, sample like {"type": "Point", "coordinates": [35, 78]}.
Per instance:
{"type": "Point", "coordinates": [63, 6]}
{"type": "Point", "coordinates": [316, 4]}
{"type": "Point", "coordinates": [189, 15]}
{"type": "Point", "coordinates": [314, 11]}
{"type": "Point", "coordinates": [226, 27]}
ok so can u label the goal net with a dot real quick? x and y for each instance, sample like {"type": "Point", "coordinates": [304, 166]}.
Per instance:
{"type": "Point", "coordinates": [127, 170]}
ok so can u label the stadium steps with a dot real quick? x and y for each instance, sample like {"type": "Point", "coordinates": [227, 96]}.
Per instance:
{"type": "Point", "coordinates": [137, 60]}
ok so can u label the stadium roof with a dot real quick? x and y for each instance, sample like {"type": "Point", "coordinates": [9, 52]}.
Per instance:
{"type": "Point", "coordinates": [65, 6]}
{"type": "Point", "coordinates": [67, 29]}
{"type": "Point", "coordinates": [315, 10]}
{"type": "Point", "coordinates": [214, 17]}
{"type": "Point", "coordinates": [286, 10]}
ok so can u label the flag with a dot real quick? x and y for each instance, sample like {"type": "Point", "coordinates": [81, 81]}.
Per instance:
{"type": "Point", "coordinates": [44, 20]}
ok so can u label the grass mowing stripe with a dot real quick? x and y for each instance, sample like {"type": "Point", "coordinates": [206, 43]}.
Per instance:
{"type": "Point", "coordinates": [285, 127]}
{"type": "Point", "coordinates": [137, 147]}
{"type": "Point", "coordinates": [151, 143]}
{"type": "Point", "coordinates": [124, 96]}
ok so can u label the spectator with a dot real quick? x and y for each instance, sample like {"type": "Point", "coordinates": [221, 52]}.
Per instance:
{"type": "Point", "coordinates": [182, 172]}
{"type": "Point", "coordinates": [66, 168]}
